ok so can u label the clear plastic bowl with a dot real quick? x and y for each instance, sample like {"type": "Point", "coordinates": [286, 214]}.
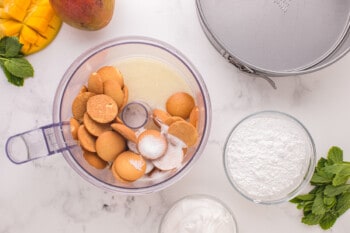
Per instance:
{"type": "Point", "coordinates": [109, 53]}
{"type": "Point", "coordinates": [269, 157]}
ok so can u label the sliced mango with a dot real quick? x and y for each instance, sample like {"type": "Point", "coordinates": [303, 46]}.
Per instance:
{"type": "Point", "coordinates": [32, 21]}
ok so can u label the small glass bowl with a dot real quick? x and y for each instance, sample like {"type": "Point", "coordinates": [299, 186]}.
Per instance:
{"type": "Point", "coordinates": [275, 179]}
{"type": "Point", "coordinates": [198, 213]}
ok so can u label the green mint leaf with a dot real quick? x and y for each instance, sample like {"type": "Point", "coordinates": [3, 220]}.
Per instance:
{"type": "Point", "coordinates": [19, 67]}
{"type": "Point", "coordinates": [328, 220]}
{"type": "Point", "coordinates": [300, 205]}
{"type": "Point", "coordinates": [304, 204]}
{"type": "Point", "coordinates": [322, 162]}
{"type": "Point", "coordinates": [15, 67]}
{"type": "Point", "coordinates": [307, 197]}
{"type": "Point", "coordinates": [342, 176]}
{"type": "Point", "coordinates": [10, 47]}
{"type": "Point", "coordinates": [317, 189]}
{"type": "Point", "coordinates": [311, 219]}
{"type": "Point", "coordinates": [308, 208]}
{"type": "Point", "coordinates": [343, 203]}
{"type": "Point", "coordinates": [332, 191]}
{"type": "Point", "coordinates": [335, 155]}
{"type": "Point", "coordinates": [334, 168]}
{"type": "Point", "coordinates": [295, 200]}
{"type": "Point", "coordinates": [339, 180]}
{"type": "Point", "coordinates": [329, 201]}
{"type": "Point", "coordinates": [2, 46]}
{"type": "Point", "coordinates": [318, 206]}
{"type": "Point", "coordinates": [15, 80]}
{"type": "Point", "coordinates": [11, 78]}
{"type": "Point", "coordinates": [321, 177]}
{"type": "Point", "coordinates": [301, 198]}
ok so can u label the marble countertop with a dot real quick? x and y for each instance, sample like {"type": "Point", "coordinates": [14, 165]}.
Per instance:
{"type": "Point", "coordinates": [48, 196]}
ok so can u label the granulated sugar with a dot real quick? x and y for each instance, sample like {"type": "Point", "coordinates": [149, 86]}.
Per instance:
{"type": "Point", "coordinates": [268, 157]}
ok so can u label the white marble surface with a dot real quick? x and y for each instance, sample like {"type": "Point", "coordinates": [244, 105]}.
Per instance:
{"type": "Point", "coordinates": [48, 196]}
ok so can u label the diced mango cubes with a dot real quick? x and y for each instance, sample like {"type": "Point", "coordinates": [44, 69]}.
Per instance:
{"type": "Point", "coordinates": [32, 21]}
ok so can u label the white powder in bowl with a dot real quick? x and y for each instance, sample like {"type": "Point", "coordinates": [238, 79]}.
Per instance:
{"type": "Point", "coordinates": [198, 214]}
{"type": "Point", "coordinates": [267, 156]}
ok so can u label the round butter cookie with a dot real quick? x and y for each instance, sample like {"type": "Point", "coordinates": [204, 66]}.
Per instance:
{"type": "Point", "coordinates": [115, 174]}
{"type": "Point", "coordinates": [94, 127]}
{"type": "Point", "coordinates": [129, 166]}
{"type": "Point", "coordinates": [74, 126]}
{"type": "Point", "coordinates": [126, 95]}
{"type": "Point", "coordinates": [109, 145]}
{"type": "Point", "coordinates": [194, 115]}
{"type": "Point", "coordinates": [180, 104]}
{"type": "Point", "coordinates": [86, 140]}
{"type": "Point", "coordinates": [125, 131]}
{"type": "Point", "coordinates": [79, 105]}
{"type": "Point", "coordinates": [95, 83]}
{"type": "Point", "coordinates": [94, 160]}
{"type": "Point", "coordinates": [113, 89]}
{"type": "Point", "coordinates": [102, 108]}
{"type": "Point", "coordinates": [173, 119]}
{"type": "Point", "coordinates": [160, 115]}
{"type": "Point", "coordinates": [184, 131]}
{"type": "Point", "coordinates": [111, 72]}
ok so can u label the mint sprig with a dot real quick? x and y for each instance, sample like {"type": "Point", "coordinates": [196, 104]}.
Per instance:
{"type": "Point", "coordinates": [16, 68]}
{"type": "Point", "coordinates": [330, 198]}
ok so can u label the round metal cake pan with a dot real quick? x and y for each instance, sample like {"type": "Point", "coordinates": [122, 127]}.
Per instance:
{"type": "Point", "coordinates": [277, 37]}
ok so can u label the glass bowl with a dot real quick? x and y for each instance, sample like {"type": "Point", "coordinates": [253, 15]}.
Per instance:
{"type": "Point", "coordinates": [198, 213]}
{"type": "Point", "coordinates": [115, 52]}
{"type": "Point", "coordinates": [269, 157]}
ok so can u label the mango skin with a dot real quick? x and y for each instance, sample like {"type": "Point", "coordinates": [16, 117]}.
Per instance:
{"type": "Point", "coordinates": [88, 15]}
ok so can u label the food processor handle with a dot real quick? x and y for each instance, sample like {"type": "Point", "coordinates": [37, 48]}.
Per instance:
{"type": "Point", "coordinates": [38, 143]}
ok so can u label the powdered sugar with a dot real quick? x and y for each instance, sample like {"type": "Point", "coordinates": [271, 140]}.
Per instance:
{"type": "Point", "coordinates": [268, 157]}
{"type": "Point", "coordinates": [138, 164]}
{"type": "Point", "coordinates": [152, 147]}
{"type": "Point", "coordinates": [172, 158]}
